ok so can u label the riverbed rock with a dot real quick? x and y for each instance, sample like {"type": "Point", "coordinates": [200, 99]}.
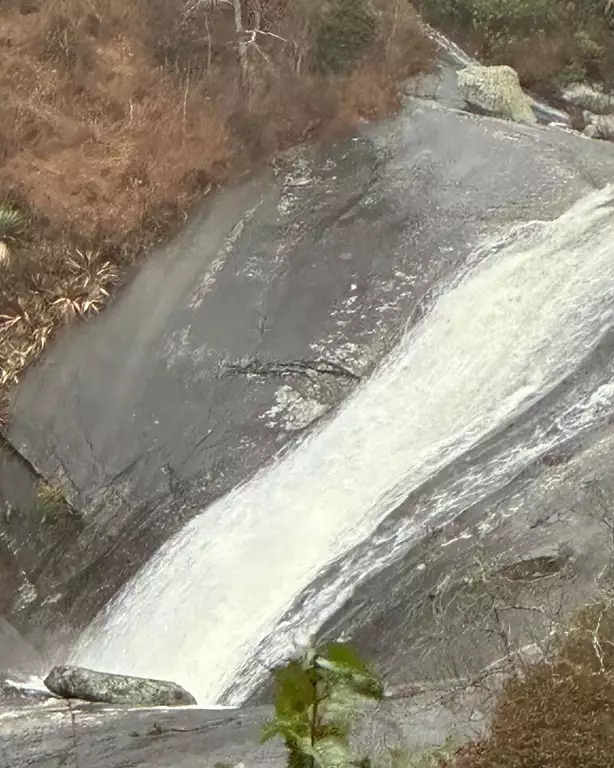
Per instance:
{"type": "Point", "coordinates": [589, 98]}
{"type": "Point", "coordinates": [89, 685]}
{"type": "Point", "coordinates": [599, 126]}
{"type": "Point", "coordinates": [497, 91]}
{"type": "Point", "coordinates": [56, 735]}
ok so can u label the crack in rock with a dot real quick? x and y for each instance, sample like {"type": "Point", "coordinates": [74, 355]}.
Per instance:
{"type": "Point", "coordinates": [256, 367]}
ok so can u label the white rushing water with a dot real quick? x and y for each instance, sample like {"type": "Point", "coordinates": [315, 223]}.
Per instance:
{"type": "Point", "coordinates": [519, 320]}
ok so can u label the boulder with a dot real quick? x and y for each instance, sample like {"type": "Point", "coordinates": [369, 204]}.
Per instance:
{"type": "Point", "coordinates": [599, 126]}
{"type": "Point", "coordinates": [86, 684]}
{"type": "Point", "coordinates": [593, 99]}
{"type": "Point", "coordinates": [497, 91]}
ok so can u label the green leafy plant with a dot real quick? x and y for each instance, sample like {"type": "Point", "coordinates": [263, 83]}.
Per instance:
{"type": "Point", "coordinates": [12, 223]}
{"type": "Point", "coordinates": [317, 695]}
{"type": "Point", "coordinates": [344, 35]}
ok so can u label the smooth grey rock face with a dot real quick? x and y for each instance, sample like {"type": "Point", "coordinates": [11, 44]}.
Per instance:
{"type": "Point", "coordinates": [497, 91]}
{"type": "Point", "coordinates": [15, 652]}
{"type": "Point", "coordinates": [89, 685]}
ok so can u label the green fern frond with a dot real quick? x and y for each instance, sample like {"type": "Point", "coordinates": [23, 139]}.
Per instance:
{"type": "Point", "coordinates": [344, 662]}
{"type": "Point", "coordinates": [317, 696]}
{"type": "Point", "coordinates": [329, 752]}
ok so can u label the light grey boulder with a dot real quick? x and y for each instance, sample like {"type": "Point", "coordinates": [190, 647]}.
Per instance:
{"type": "Point", "coordinates": [599, 127]}
{"type": "Point", "coordinates": [589, 98]}
{"type": "Point", "coordinates": [496, 90]}
{"type": "Point", "coordinates": [89, 685]}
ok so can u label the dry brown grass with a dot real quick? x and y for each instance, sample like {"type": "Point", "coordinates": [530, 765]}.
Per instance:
{"type": "Point", "coordinates": [101, 150]}
{"type": "Point", "coordinates": [90, 116]}
{"type": "Point", "coordinates": [116, 116]}
{"type": "Point", "coordinates": [559, 714]}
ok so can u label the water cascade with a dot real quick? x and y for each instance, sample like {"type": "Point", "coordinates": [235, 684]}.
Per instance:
{"type": "Point", "coordinates": [525, 314]}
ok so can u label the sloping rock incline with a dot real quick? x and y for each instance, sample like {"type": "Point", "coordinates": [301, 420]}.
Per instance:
{"type": "Point", "coordinates": [88, 685]}
{"type": "Point", "coordinates": [497, 91]}
{"type": "Point", "coordinates": [147, 429]}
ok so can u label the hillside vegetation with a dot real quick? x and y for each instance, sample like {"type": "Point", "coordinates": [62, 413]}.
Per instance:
{"type": "Point", "coordinates": [551, 43]}
{"type": "Point", "coordinates": [116, 116]}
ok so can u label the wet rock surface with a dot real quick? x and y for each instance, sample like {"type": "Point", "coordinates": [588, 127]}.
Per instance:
{"type": "Point", "coordinates": [89, 685]}
{"type": "Point", "coordinates": [503, 576]}
{"type": "Point", "coordinates": [266, 312]}
{"type": "Point", "coordinates": [16, 653]}
{"type": "Point", "coordinates": [250, 326]}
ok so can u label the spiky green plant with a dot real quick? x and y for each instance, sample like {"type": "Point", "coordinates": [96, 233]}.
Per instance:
{"type": "Point", "coordinates": [317, 695]}
{"type": "Point", "coordinates": [12, 223]}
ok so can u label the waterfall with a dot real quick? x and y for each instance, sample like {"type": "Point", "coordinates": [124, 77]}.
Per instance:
{"type": "Point", "coordinates": [524, 315]}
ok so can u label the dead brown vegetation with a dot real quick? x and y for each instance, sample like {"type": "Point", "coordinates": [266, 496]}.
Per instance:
{"type": "Point", "coordinates": [559, 713]}
{"type": "Point", "coordinates": [116, 116]}
{"type": "Point", "coordinates": [93, 134]}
